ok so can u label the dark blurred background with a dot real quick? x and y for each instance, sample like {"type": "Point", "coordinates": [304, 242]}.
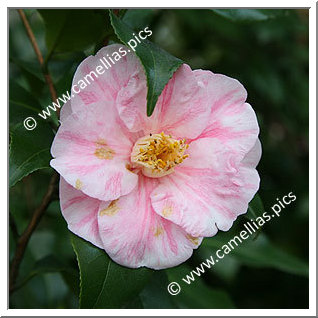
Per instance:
{"type": "Point", "coordinates": [269, 57]}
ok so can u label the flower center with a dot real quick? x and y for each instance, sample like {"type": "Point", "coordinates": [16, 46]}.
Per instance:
{"type": "Point", "coordinates": [158, 154]}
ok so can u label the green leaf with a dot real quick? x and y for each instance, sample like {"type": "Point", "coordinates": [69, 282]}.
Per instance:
{"type": "Point", "coordinates": [158, 64]}
{"type": "Point", "coordinates": [249, 15]}
{"type": "Point", "coordinates": [197, 294]}
{"type": "Point", "coordinates": [138, 19]}
{"type": "Point", "coordinates": [29, 149]}
{"type": "Point", "coordinates": [31, 67]}
{"type": "Point", "coordinates": [30, 74]}
{"type": "Point", "coordinates": [258, 253]}
{"type": "Point", "coordinates": [105, 284]}
{"type": "Point", "coordinates": [73, 30]}
{"type": "Point", "coordinates": [155, 295]}
{"type": "Point", "coordinates": [48, 264]}
{"type": "Point", "coordinates": [134, 304]}
{"type": "Point", "coordinates": [255, 208]}
{"type": "Point", "coordinates": [21, 104]}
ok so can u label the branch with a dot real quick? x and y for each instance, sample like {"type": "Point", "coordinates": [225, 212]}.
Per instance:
{"type": "Point", "coordinates": [38, 53]}
{"type": "Point", "coordinates": [23, 240]}
{"type": "Point", "coordinates": [25, 237]}
{"type": "Point", "coordinates": [13, 227]}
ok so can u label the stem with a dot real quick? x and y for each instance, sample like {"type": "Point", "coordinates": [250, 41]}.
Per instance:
{"type": "Point", "coordinates": [23, 240]}
{"type": "Point", "coordinates": [38, 53]}
{"type": "Point", "coordinates": [25, 237]}
{"type": "Point", "coordinates": [13, 227]}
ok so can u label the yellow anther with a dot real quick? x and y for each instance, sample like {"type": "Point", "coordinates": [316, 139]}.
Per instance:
{"type": "Point", "coordinates": [159, 154]}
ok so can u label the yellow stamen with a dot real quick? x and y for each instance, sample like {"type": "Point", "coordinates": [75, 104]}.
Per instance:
{"type": "Point", "coordinates": [159, 154]}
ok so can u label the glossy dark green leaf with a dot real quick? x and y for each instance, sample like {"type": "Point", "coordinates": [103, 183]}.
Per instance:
{"type": "Point", "coordinates": [48, 264]}
{"type": "Point", "coordinates": [22, 104]}
{"type": "Point", "coordinates": [138, 19]}
{"type": "Point", "coordinates": [29, 149]}
{"type": "Point", "coordinates": [249, 15]}
{"type": "Point", "coordinates": [258, 253]}
{"type": "Point", "coordinates": [31, 67]}
{"type": "Point", "coordinates": [73, 30]}
{"type": "Point", "coordinates": [136, 303]}
{"type": "Point", "coordinates": [35, 293]}
{"type": "Point", "coordinates": [197, 294]}
{"type": "Point", "coordinates": [155, 295]}
{"type": "Point", "coordinates": [158, 64]}
{"type": "Point", "coordinates": [105, 284]}
{"type": "Point", "coordinates": [255, 208]}
{"type": "Point", "coordinates": [30, 73]}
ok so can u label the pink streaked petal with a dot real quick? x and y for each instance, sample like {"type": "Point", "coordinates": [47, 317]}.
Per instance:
{"type": "Point", "coordinates": [246, 184]}
{"type": "Point", "coordinates": [131, 104]}
{"type": "Point", "coordinates": [254, 156]}
{"type": "Point", "coordinates": [208, 190]}
{"type": "Point", "coordinates": [105, 86]}
{"type": "Point", "coordinates": [223, 91]}
{"type": "Point", "coordinates": [92, 151]}
{"type": "Point", "coordinates": [134, 235]}
{"type": "Point", "coordinates": [182, 109]}
{"type": "Point", "coordinates": [66, 111]}
{"type": "Point", "coordinates": [231, 120]}
{"type": "Point", "coordinates": [176, 200]}
{"type": "Point", "coordinates": [80, 212]}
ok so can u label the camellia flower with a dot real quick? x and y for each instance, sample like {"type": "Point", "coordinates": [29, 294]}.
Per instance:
{"type": "Point", "coordinates": [148, 189]}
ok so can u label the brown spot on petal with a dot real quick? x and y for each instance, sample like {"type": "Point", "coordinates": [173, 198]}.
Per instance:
{"type": "Point", "coordinates": [167, 211]}
{"type": "Point", "coordinates": [159, 230]}
{"type": "Point", "coordinates": [78, 184]}
{"type": "Point", "coordinates": [192, 239]}
{"type": "Point", "coordinates": [129, 168]}
{"type": "Point", "coordinates": [104, 153]}
{"type": "Point", "coordinates": [100, 142]}
{"type": "Point", "coordinates": [111, 210]}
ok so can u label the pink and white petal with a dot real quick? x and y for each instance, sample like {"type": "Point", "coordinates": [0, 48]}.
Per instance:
{"type": "Point", "coordinates": [104, 84]}
{"type": "Point", "coordinates": [254, 156]}
{"type": "Point", "coordinates": [182, 109]}
{"type": "Point", "coordinates": [80, 212]}
{"type": "Point", "coordinates": [202, 205]}
{"type": "Point", "coordinates": [92, 152]}
{"type": "Point", "coordinates": [223, 91]}
{"type": "Point", "coordinates": [132, 104]}
{"type": "Point", "coordinates": [207, 153]}
{"type": "Point", "coordinates": [66, 110]}
{"type": "Point", "coordinates": [134, 235]}
{"type": "Point", "coordinates": [178, 201]}
{"type": "Point", "coordinates": [207, 191]}
{"type": "Point", "coordinates": [245, 186]}
{"type": "Point", "coordinates": [231, 120]}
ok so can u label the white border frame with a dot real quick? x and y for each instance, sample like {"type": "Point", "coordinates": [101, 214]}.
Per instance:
{"type": "Point", "coordinates": [312, 166]}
